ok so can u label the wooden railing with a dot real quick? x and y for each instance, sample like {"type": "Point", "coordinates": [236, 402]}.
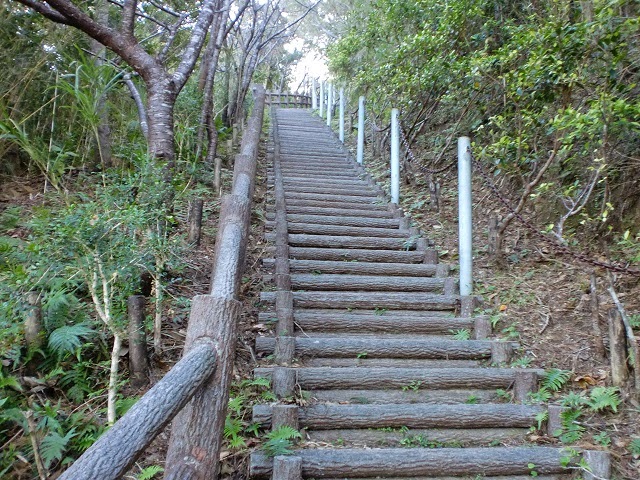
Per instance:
{"type": "Point", "coordinates": [195, 392]}
{"type": "Point", "coordinates": [288, 100]}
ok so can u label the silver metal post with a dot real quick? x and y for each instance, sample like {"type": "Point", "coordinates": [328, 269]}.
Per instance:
{"type": "Point", "coordinates": [395, 157]}
{"type": "Point", "coordinates": [341, 131]}
{"type": "Point", "coordinates": [360, 151]}
{"type": "Point", "coordinates": [321, 99]}
{"type": "Point", "coordinates": [329, 102]}
{"type": "Point", "coordinates": [465, 229]}
{"type": "Point", "coordinates": [314, 95]}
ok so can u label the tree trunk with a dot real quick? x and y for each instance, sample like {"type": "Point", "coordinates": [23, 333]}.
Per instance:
{"type": "Point", "coordinates": [103, 131]}
{"type": "Point", "coordinates": [161, 98]}
{"type": "Point", "coordinates": [113, 379]}
{"type": "Point", "coordinates": [138, 359]}
{"type": "Point", "coordinates": [33, 331]}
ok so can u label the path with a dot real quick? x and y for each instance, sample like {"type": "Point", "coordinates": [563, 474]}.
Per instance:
{"type": "Point", "coordinates": [364, 338]}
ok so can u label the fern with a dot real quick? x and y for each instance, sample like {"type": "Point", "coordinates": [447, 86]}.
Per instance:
{"type": "Point", "coordinates": [149, 472]}
{"type": "Point", "coordinates": [54, 446]}
{"type": "Point", "coordinates": [602, 398]}
{"type": "Point", "coordinates": [68, 339]}
{"type": "Point", "coordinates": [571, 430]}
{"type": "Point", "coordinates": [573, 400]}
{"type": "Point", "coordinates": [461, 334]}
{"type": "Point", "coordinates": [634, 447]}
{"type": "Point", "coordinates": [280, 441]}
{"type": "Point", "coordinates": [543, 395]}
{"type": "Point", "coordinates": [554, 379]}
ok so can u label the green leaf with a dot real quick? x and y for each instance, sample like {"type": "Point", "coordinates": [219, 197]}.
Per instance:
{"type": "Point", "coordinates": [54, 445]}
{"type": "Point", "coordinates": [69, 338]}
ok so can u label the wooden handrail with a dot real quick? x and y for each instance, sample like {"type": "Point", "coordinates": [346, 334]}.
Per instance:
{"type": "Point", "coordinates": [117, 449]}
{"type": "Point", "coordinates": [286, 99]}
{"type": "Point", "coordinates": [196, 435]}
{"type": "Point", "coordinates": [195, 392]}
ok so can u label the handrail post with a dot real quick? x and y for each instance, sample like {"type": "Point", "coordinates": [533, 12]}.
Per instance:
{"type": "Point", "coordinates": [341, 131]}
{"type": "Point", "coordinates": [329, 102]}
{"type": "Point", "coordinates": [465, 228]}
{"type": "Point", "coordinates": [360, 151]}
{"type": "Point", "coordinates": [314, 98]}
{"type": "Point", "coordinates": [395, 156]}
{"type": "Point", "coordinates": [321, 100]}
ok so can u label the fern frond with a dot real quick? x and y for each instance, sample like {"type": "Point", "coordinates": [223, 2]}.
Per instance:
{"type": "Point", "coordinates": [68, 338]}
{"type": "Point", "coordinates": [149, 472]}
{"type": "Point", "coordinates": [54, 445]}
{"type": "Point", "coordinates": [554, 379]}
{"type": "Point", "coordinates": [284, 433]}
{"type": "Point", "coordinates": [601, 398]}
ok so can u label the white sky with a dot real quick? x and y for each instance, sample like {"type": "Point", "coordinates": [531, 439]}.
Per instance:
{"type": "Point", "coordinates": [313, 63]}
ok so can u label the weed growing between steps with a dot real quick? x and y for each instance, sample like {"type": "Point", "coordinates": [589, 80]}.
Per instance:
{"type": "Point", "coordinates": [541, 301]}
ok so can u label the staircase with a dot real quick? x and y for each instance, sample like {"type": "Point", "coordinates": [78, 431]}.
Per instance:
{"type": "Point", "coordinates": [365, 361]}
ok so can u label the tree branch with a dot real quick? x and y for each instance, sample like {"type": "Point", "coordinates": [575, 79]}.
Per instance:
{"type": "Point", "coordinates": [198, 35]}
{"type": "Point", "coordinates": [129, 17]}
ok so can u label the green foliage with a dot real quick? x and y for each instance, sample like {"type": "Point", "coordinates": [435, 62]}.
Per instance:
{"type": "Point", "coordinates": [603, 398]}
{"type": "Point", "coordinates": [461, 334]}
{"type": "Point", "coordinates": [69, 338]}
{"type": "Point", "coordinates": [54, 445]}
{"type": "Point", "coordinates": [634, 447]}
{"type": "Point", "coordinates": [554, 379]}
{"type": "Point", "coordinates": [149, 472]}
{"type": "Point", "coordinates": [280, 441]}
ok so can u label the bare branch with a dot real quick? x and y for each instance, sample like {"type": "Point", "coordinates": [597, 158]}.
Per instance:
{"type": "Point", "coordinates": [142, 111]}
{"type": "Point", "coordinates": [129, 17]}
{"type": "Point", "coordinates": [173, 33]}
{"type": "Point", "coordinates": [164, 9]}
{"type": "Point", "coordinates": [198, 35]}
{"type": "Point", "coordinates": [527, 190]}
{"type": "Point", "coordinates": [46, 11]}
{"type": "Point", "coordinates": [141, 15]}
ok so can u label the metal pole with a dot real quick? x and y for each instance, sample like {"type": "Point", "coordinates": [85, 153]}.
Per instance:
{"type": "Point", "coordinates": [465, 229]}
{"type": "Point", "coordinates": [341, 132]}
{"type": "Point", "coordinates": [395, 157]}
{"type": "Point", "coordinates": [321, 99]}
{"type": "Point", "coordinates": [314, 98]}
{"type": "Point", "coordinates": [360, 151]}
{"type": "Point", "coordinates": [329, 102]}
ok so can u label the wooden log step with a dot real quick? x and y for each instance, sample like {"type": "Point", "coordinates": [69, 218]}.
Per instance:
{"type": "Point", "coordinates": [306, 281]}
{"type": "Point", "coordinates": [333, 198]}
{"type": "Point", "coordinates": [343, 204]}
{"type": "Point", "coordinates": [356, 183]}
{"type": "Point", "coordinates": [388, 363]}
{"type": "Point", "coordinates": [335, 212]}
{"type": "Point", "coordinates": [404, 396]}
{"type": "Point", "coordinates": [403, 462]}
{"type": "Point", "coordinates": [369, 321]}
{"type": "Point", "coordinates": [329, 190]}
{"type": "Point", "coordinates": [329, 417]}
{"type": "Point", "coordinates": [319, 229]}
{"type": "Point", "coordinates": [476, 477]}
{"type": "Point", "coordinates": [319, 171]}
{"type": "Point", "coordinates": [383, 348]}
{"type": "Point", "coordinates": [340, 241]}
{"type": "Point", "coordinates": [353, 254]}
{"type": "Point", "coordinates": [317, 178]}
{"type": "Point", "coordinates": [357, 268]}
{"type": "Point", "coordinates": [413, 437]}
{"type": "Point", "coordinates": [324, 378]}
{"type": "Point", "coordinates": [386, 223]}
{"type": "Point", "coordinates": [381, 300]}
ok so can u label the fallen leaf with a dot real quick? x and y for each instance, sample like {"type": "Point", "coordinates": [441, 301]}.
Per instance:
{"type": "Point", "coordinates": [584, 381]}
{"type": "Point", "coordinates": [502, 308]}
